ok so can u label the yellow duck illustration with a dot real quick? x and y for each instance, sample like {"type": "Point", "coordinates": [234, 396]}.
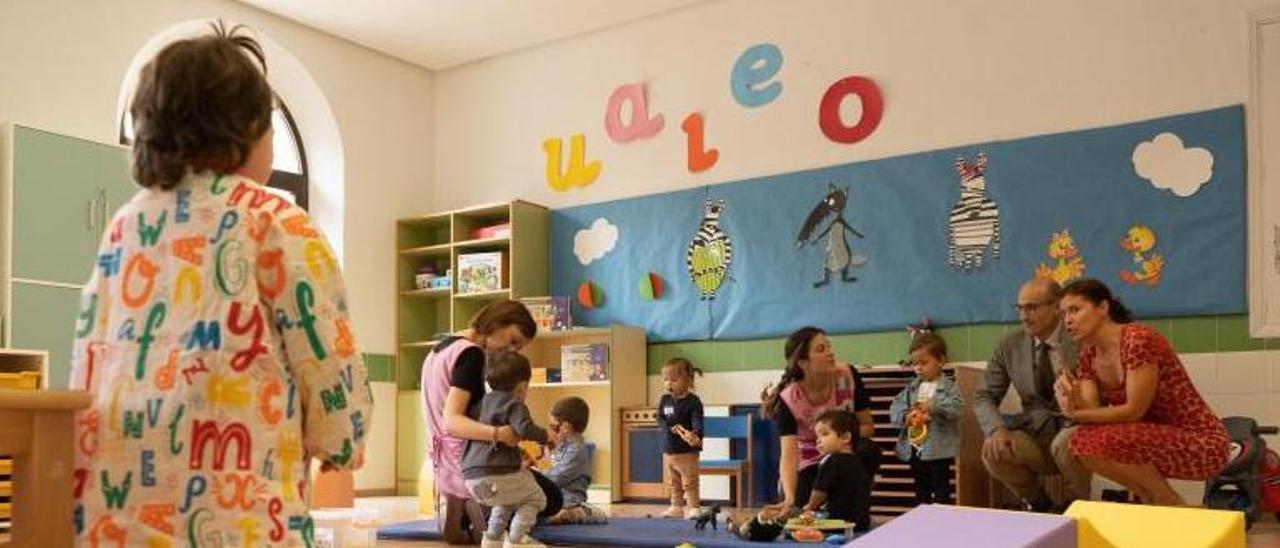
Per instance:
{"type": "Point", "coordinates": [1140, 240]}
{"type": "Point", "coordinates": [1070, 265]}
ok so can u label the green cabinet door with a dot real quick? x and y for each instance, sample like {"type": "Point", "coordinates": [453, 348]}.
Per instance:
{"type": "Point", "coordinates": [116, 179]}
{"type": "Point", "coordinates": [44, 318]}
{"type": "Point", "coordinates": [411, 441]}
{"type": "Point", "coordinates": [55, 191]}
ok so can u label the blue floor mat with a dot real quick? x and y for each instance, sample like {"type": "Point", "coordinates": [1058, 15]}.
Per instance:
{"type": "Point", "coordinates": [637, 532]}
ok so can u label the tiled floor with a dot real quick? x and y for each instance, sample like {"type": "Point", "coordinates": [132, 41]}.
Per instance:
{"type": "Point", "coordinates": [1265, 534]}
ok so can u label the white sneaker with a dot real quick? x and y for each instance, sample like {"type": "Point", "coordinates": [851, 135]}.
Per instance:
{"type": "Point", "coordinates": [692, 512]}
{"type": "Point", "coordinates": [488, 542]}
{"type": "Point", "coordinates": [524, 542]}
{"type": "Point", "coordinates": [673, 512]}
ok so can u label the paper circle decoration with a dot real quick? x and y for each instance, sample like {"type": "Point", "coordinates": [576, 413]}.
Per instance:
{"type": "Point", "coordinates": [589, 295]}
{"type": "Point", "coordinates": [651, 287]}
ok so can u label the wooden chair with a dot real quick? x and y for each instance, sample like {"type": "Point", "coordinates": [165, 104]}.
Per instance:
{"type": "Point", "coordinates": [36, 428]}
{"type": "Point", "coordinates": [739, 470]}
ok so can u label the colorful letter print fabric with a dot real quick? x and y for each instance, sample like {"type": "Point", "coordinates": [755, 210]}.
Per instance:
{"type": "Point", "coordinates": [213, 336]}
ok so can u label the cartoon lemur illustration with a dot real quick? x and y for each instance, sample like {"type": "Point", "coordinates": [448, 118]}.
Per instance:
{"type": "Point", "coordinates": [710, 252]}
{"type": "Point", "coordinates": [839, 255]}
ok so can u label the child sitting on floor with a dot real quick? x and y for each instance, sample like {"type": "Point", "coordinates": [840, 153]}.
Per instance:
{"type": "Point", "coordinates": [929, 405]}
{"type": "Point", "coordinates": [571, 463]}
{"type": "Point", "coordinates": [841, 484]}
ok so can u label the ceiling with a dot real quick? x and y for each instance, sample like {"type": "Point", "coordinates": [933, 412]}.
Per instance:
{"type": "Point", "coordinates": [440, 34]}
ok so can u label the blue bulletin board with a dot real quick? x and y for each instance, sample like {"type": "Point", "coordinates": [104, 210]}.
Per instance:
{"type": "Point", "coordinates": [1155, 209]}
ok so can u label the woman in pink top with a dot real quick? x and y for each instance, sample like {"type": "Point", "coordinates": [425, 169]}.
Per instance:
{"type": "Point", "coordinates": [813, 383]}
{"type": "Point", "coordinates": [452, 387]}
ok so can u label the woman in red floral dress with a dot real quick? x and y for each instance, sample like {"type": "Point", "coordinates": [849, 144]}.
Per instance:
{"type": "Point", "coordinates": [1142, 421]}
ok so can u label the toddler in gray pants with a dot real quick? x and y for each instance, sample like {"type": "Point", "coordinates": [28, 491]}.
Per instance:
{"type": "Point", "coordinates": [495, 472]}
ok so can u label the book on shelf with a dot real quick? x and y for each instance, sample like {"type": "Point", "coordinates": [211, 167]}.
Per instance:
{"type": "Point", "coordinates": [479, 272]}
{"type": "Point", "coordinates": [502, 230]}
{"type": "Point", "coordinates": [584, 362]}
{"type": "Point", "coordinates": [550, 313]}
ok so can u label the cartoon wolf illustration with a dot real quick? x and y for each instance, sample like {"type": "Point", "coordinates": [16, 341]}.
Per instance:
{"type": "Point", "coordinates": [839, 257]}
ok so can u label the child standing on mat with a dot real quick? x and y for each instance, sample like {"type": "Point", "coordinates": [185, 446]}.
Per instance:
{"type": "Point", "coordinates": [841, 483]}
{"type": "Point", "coordinates": [495, 472]}
{"type": "Point", "coordinates": [929, 405]}
{"type": "Point", "coordinates": [571, 462]}
{"type": "Point", "coordinates": [680, 418]}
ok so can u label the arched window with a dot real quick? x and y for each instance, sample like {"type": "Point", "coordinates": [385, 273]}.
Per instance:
{"type": "Point", "coordinates": [289, 168]}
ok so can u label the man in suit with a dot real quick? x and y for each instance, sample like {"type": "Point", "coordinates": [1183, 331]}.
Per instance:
{"type": "Point", "coordinates": [1020, 450]}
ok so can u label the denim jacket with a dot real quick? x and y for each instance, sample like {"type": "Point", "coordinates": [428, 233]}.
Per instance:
{"type": "Point", "coordinates": [944, 428]}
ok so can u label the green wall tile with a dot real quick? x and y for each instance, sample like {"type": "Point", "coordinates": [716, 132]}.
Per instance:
{"type": "Point", "coordinates": [983, 339]}
{"type": "Point", "coordinates": [851, 348]}
{"type": "Point", "coordinates": [379, 367]}
{"type": "Point", "coordinates": [1233, 334]}
{"type": "Point", "coordinates": [1228, 333]}
{"type": "Point", "coordinates": [957, 342]}
{"type": "Point", "coordinates": [1162, 325]}
{"type": "Point", "coordinates": [1198, 334]}
{"type": "Point", "coordinates": [885, 348]}
{"type": "Point", "coordinates": [763, 354]}
{"type": "Point", "coordinates": [727, 356]}
{"type": "Point", "coordinates": [655, 357]}
{"type": "Point", "coordinates": [700, 353]}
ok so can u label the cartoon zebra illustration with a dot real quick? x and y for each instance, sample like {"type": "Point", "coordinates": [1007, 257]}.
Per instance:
{"type": "Point", "coordinates": [975, 219]}
{"type": "Point", "coordinates": [710, 252]}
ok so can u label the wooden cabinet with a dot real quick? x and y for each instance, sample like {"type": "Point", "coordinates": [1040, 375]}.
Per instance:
{"type": "Point", "coordinates": [625, 387]}
{"type": "Point", "coordinates": [59, 194]}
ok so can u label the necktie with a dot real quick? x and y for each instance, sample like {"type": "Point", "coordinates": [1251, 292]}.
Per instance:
{"type": "Point", "coordinates": [1043, 371]}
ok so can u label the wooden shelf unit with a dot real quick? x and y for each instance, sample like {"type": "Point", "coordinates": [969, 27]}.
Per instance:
{"type": "Point", "coordinates": [15, 367]}
{"type": "Point", "coordinates": [625, 387]}
{"type": "Point", "coordinates": [422, 315]}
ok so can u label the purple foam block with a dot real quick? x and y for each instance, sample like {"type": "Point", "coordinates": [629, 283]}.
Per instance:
{"type": "Point", "coordinates": [960, 527]}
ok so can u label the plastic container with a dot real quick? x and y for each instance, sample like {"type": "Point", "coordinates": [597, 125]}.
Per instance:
{"type": "Point", "coordinates": [25, 380]}
{"type": "Point", "coordinates": [345, 527]}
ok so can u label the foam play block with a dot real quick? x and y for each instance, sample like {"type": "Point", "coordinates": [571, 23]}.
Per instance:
{"type": "Point", "coordinates": [963, 527]}
{"type": "Point", "coordinates": [1115, 525]}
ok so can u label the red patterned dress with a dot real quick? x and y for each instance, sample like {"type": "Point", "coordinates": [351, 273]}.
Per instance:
{"type": "Point", "coordinates": [1179, 435]}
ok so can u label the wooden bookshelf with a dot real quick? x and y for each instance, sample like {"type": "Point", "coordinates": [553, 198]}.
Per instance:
{"type": "Point", "coordinates": [436, 240]}
{"type": "Point", "coordinates": [625, 387]}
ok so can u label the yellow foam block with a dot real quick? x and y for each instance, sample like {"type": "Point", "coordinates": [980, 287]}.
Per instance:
{"type": "Point", "coordinates": [1114, 525]}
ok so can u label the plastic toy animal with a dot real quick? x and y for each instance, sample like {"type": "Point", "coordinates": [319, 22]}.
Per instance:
{"type": "Point", "coordinates": [707, 516]}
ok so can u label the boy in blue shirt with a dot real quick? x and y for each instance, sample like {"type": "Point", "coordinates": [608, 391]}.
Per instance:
{"type": "Point", "coordinates": [571, 461]}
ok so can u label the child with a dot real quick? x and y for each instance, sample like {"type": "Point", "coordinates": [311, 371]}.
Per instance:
{"type": "Point", "coordinates": [680, 417]}
{"type": "Point", "coordinates": [571, 463]}
{"type": "Point", "coordinates": [931, 400]}
{"type": "Point", "coordinates": [841, 483]}
{"type": "Point", "coordinates": [494, 471]}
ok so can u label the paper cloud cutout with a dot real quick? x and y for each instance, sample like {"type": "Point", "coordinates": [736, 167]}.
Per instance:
{"type": "Point", "coordinates": [595, 242]}
{"type": "Point", "coordinates": [1168, 164]}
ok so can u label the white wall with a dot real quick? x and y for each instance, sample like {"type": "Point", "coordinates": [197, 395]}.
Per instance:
{"type": "Point", "coordinates": [62, 63]}
{"type": "Point", "coordinates": [952, 72]}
